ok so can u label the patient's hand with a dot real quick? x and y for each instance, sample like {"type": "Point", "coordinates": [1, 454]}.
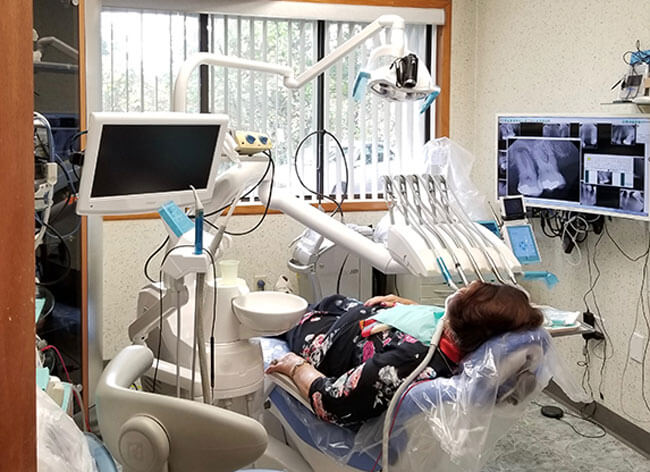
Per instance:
{"type": "Point", "coordinates": [284, 364]}
{"type": "Point", "coordinates": [388, 301]}
{"type": "Point", "coordinates": [302, 377]}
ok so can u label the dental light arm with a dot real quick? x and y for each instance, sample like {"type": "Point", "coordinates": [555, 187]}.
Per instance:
{"type": "Point", "coordinates": [395, 48]}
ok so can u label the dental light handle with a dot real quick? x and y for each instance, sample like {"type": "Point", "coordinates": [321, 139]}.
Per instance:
{"type": "Point", "coordinates": [388, 419]}
{"type": "Point", "coordinates": [198, 223]}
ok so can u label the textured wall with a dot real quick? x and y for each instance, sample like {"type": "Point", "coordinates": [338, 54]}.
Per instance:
{"type": "Point", "coordinates": [127, 244]}
{"type": "Point", "coordinates": [558, 57]}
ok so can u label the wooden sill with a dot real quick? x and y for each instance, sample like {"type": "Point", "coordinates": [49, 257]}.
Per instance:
{"type": "Point", "coordinates": [259, 209]}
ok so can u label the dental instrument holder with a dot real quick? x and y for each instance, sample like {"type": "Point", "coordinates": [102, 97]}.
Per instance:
{"type": "Point", "coordinates": [181, 260]}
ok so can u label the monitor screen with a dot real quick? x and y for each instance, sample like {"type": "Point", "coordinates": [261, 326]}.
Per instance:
{"type": "Point", "coordinates": [513, 208]}
{"type": "Point", "coordinates": [151, 158]}
{"type": "Point", "coordinates": [522, 242]}
{"type": "Point", "coordinates": [589, 164]}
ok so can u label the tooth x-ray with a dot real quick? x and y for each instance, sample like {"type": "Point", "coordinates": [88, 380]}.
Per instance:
{"type": "Point", "coordinates": [544, 168]}
{"type": "Point", "coordinates": [587, 194]}
{"type": "Point", "coordinates": [588, 134]}
{"type": "Point", "coordinates": [591, 164]}
{"type": "Point", "coordinates": [604, 177]}
{"type": "Point", "coordinates": [631, 200]}
{"type": "Point", "coordinates": [556, 130]}
{"type": "Point", "coordinates": [624, 134]}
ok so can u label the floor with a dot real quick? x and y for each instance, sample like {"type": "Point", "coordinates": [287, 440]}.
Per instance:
{"type": "Point", "coordinates": [542, 444]}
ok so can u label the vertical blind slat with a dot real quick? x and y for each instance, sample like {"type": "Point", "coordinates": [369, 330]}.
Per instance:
{"type": "Point", "coordinates": [265, 80]}
{"type": "Point", "coordinates": [339, 114]}
{"type": "Point", "coordinates": [251, 76]}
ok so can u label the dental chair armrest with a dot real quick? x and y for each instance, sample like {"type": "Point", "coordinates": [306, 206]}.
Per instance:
{"type": "Point", "coordinates": [197, 437]}
{"type": "Point", "coordinates": [287, 384]}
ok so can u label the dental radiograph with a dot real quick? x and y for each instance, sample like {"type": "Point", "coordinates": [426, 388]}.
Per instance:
{"type": "Point", "coordinates": [544, 168]}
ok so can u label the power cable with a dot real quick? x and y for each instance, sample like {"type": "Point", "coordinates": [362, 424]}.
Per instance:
{"type": "Point", "coordinates": [321, 196]}
{"type": "Point", "coordinates": [266, 207]}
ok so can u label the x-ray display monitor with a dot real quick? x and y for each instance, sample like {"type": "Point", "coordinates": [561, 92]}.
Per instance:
{"type": "Point", "coordinates": [589, 164]}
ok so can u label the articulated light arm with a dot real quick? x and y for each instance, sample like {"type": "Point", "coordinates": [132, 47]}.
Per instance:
{"type": "Point", "coordinates": [396, 48]}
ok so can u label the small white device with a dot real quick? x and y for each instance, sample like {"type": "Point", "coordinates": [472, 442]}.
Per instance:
{"type": "Point", "coordinates": [136, 162]}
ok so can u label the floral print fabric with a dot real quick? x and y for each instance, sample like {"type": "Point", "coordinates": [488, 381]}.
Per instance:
{"type": "Point", "coordinates": [361, 373]}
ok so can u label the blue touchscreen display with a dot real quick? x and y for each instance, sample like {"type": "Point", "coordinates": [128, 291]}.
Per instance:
{"type": "Point", "coordinates": [522, 241]}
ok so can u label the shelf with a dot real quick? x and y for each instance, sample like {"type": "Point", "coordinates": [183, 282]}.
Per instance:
{"type": "Point", "coordinates": [643, 107]}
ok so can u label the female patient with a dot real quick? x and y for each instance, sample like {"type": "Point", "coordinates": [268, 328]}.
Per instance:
{"type": "Point", "coordinates": [349, 375]}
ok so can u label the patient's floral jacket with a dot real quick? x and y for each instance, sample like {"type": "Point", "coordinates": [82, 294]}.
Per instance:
{"type": "Point", "coordinates": [362, 373]}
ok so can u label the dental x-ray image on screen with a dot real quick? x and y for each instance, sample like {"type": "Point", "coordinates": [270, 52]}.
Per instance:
{"type": "Point", "coordinates": [544, 168]}
{"type": "Point", "coordinates": [588, 164]}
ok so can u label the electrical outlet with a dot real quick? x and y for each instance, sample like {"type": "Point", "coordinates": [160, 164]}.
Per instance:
{"type": "Point", "coordinates": [261, 282]}
{"type": "Point", "coordinates": [637, 347]}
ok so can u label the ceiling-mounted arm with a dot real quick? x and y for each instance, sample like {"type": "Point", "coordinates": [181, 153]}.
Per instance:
{"type": "Point", "coordinates": [396, 47]}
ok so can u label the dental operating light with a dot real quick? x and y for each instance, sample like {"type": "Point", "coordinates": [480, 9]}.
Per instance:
{"type": "Point", "coordinates": [392, 71]}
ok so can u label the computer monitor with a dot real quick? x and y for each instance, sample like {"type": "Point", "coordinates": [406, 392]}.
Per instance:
{"type": "Point", "coordinates": [136, 162]}
{"type": "Point", "coordinates": [589, 164]}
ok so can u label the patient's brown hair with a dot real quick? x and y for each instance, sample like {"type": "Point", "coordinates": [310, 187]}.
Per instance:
{"type": "Point", "coordinates": [484, 310]}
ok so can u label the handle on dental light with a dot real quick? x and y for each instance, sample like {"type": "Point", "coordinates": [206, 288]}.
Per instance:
{"type": "Point", "coordinates": [198, 223]}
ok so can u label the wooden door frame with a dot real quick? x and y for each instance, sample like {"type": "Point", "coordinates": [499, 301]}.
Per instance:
{"type": "Point", "coordinates": [17, 322]}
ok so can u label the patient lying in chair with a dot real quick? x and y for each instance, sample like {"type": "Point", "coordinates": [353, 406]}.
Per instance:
{"type": "Point", "coordinates": [349, 372]}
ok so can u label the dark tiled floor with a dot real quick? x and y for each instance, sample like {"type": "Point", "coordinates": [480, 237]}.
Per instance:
{"type": "Point", "coordinates": [542, 444]}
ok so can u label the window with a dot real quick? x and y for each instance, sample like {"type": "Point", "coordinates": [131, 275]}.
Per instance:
{"type": "Point", "coordinates": [142, 51]}
{"type": "Point", "coordinates": [141, 55]}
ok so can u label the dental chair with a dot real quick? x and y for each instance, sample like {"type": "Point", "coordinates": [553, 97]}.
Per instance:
{"type": "Point", "coordinates": [441, 425]}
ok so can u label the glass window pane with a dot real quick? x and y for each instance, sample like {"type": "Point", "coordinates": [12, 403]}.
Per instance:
{"type": "Point", "coordinates": [141, 55]}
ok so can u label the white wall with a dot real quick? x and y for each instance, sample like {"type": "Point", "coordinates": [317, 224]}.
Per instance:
{"type": "Point", "coordinates": [127, 244]}
{"type": "Point", "coordinates": [553, 56]}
